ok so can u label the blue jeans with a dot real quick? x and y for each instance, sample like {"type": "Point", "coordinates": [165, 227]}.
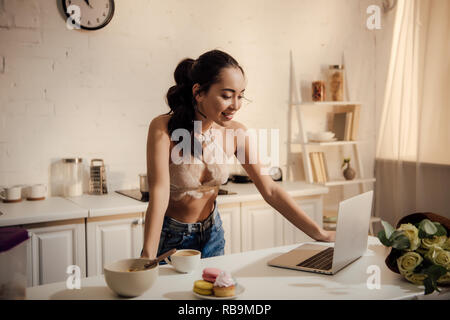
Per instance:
{"type": "Point", "coordinates": [210, 241]}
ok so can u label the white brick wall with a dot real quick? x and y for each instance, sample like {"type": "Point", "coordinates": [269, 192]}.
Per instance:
{"type": "Point", "coordinates": [92, 94]}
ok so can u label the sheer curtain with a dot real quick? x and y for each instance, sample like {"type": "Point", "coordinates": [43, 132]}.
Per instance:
{"type": "Point", "coordinates": [413, 147]}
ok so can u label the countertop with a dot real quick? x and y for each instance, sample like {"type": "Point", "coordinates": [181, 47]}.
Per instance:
{"type": "Point", "coordinates": [50, 209]}
{"type": "Point", "coordinates": [58, 208]}
{"type": "Point", "coordinates": [108, 204]}
{"type": "Point", "coordinates": [261, 281]}
{"type": "Point", "coordinates": [248, 191]}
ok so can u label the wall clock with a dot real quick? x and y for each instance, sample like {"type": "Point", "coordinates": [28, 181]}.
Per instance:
{"type": "Point", "coordinates": [92, 14]}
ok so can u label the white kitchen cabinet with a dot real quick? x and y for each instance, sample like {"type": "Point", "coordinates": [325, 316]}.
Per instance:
{"type": "Point", "coordinates": [113, 238]}
{"type": "Point", "coordinates": [54, 246]}
{"type": "Point", "coordinates": [313, 207]}
{"type": "Point", "coordinates": [261, 226]}
{"type": "Point", "coordinates": [231, 223]}
{"type": "Point", "coordinates": [264, 227]}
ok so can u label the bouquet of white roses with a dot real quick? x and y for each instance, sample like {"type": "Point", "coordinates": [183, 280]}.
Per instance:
{"type": "Point", "coordinates": [421, 251]}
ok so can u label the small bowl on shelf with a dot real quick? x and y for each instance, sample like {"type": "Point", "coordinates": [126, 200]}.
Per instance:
{"type": "Point", "coordinates": [321, 136]}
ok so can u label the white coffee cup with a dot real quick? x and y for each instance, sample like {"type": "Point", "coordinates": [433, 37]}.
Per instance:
{"type": "Point", "coordinates": [38, 191]}
{"type": "Point", "coordinates": [11, 193]}
{"type": "Point", "coordinates": [185, 260]}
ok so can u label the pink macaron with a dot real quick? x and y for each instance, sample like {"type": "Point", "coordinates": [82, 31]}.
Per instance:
{"type": "Point", "coordinates": [210, 274]}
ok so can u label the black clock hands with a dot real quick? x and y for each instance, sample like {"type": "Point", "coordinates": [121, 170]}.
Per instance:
{"type": "Point", "coordinates": [92, 17]}
{"type": "Point", "coordinates": [87, 2]}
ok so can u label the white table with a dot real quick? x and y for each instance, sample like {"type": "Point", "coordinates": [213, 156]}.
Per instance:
{"type": "Point", "coordinates": [260, 281]}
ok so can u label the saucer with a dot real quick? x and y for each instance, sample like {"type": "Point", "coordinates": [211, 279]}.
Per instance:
{"type": "Point", "coordinates": [11, 201]}
{"type": "Point", "coordinates": [36, 199]}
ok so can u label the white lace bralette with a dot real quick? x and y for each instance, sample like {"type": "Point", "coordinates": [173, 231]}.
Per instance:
{"type": "Point", "coordinates": [197, 179]}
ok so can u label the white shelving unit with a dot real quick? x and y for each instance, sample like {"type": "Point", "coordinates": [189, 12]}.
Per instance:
{"type": "Point", "coordinates": [296, 103]}
{"type": "Point", "coordinates": [308, 147]}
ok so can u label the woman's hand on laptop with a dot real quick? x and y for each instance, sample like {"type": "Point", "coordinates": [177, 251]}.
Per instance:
{"type": "Point", "coordinates": [326, 236]}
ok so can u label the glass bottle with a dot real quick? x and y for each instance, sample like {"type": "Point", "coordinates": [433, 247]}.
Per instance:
{"type": "Point", "coordinates": [336, 82]}
{"type": "Point", "coordinates": [318, 91]}
{"type": "Point", "coordinates": [73, 177]}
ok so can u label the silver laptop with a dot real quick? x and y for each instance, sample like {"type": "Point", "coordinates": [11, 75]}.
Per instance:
{"type": "Point", "coordinates": [351, 241]}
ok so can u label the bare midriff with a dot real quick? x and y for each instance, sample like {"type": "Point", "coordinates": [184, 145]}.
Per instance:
{"type": "Point", "coordinates": [191, 210]}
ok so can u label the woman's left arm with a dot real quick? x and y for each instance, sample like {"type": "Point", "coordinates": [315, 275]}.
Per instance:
{"type": "Point", "coordinates": [279, 199]}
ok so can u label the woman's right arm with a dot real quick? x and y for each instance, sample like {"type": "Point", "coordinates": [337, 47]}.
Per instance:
{"type": "Point", "coordinates": [158, 149]}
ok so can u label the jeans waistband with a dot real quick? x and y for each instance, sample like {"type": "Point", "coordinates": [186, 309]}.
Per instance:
{"type": "Point", "coordinates": [178, 226]}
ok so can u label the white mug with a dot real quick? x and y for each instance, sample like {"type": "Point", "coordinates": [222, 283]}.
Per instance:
{"type": "Point", "coordinates": [185, 260]}
{"type": "Point", "coordinates": [38, 191]}
{"type": "Point", "coordinates": [11, 193]}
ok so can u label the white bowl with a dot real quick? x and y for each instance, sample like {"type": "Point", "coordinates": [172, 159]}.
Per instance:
{"type": "Point", "coordinates": [325, 134]}
{"type": "Point", "coordinates": [126, 283]}
{"type": "Point", "coordinates": [311, 135]}
{"type": "Point", "coordinates": [320, 136]}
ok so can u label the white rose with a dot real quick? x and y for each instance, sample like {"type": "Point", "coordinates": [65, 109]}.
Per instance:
{"type": "Point", "coordinates": [439, 256]}
{"type": "Point", "coordinates": [445, 279]}
{"type": "Point", "coordinates": [408, 262]}
{"type": "Point", "coordinates": [412, 233]}
{"type": "Point", "coordinates": [446, 245]}
{"type": "Point", "coordinates": [416, 278]}
{"type": "Point", "coordinates": [435, 241]}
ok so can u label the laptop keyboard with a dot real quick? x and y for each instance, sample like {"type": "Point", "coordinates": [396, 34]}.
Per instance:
{"type": "Point", "coordinates": [322, 261]}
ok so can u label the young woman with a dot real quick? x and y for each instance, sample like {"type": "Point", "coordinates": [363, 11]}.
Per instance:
{"type": "Point", "coordinates": [182, 211]}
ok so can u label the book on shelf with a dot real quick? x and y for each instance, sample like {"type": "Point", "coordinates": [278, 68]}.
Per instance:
{"type": "Point", "coordinates": [355, 123]}
{"type": "Point", "coordinates": [319, 170]}
{"type": "Point", "coordinates": [342, 125]}
{"type": "Point", "coordinates": [315, 167]}
{"type": "Point", "coordinates": [319, 163]}
{"type": "Point", "coordinates": [311, 161]}
{"type": "Point", "coordinates": [339, 125]}
{"type": "Point", "coordinates": [324, 166]}
{"type": "Point", "coordinates": [348, 126]}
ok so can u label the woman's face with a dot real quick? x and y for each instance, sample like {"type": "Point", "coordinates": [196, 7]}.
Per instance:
{"type": "Point", "coordinates": [223, 98]}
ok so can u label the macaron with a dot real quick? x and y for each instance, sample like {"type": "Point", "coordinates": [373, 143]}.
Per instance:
{"type": "Point", "coordinates": [210, 274]}
{"type": "Point", "coordinates": [204, 288]}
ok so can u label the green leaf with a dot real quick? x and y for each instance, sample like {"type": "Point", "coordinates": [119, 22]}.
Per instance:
{"type": "Point", "coordinates": [383, 239]}
{"type": "Point", "coordinates": [423, 234]}
{"type": "Point", "coordinates": [441, 231]}
{"type": "Point", "coordinates": [399, 240]}
{"type": "Point", "coordinates": [387, 228]}
{"type": "Point", "coordinates": [429, 286]}
{"type": "Point", "coordinates": [428, 227]}
{"type": "Point", "coordinates": [434, 272]}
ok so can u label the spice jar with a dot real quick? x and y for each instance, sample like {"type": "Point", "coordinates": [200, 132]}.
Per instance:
{"type": "Point", "coordinates": [73, 177]}
{"type": "Point", "coordinates": [318, 91]}
{"type": "Point", "coordinates": [336, 82]}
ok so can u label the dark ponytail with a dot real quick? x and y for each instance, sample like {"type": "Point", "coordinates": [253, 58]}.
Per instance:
{"type": "Point", "coordinates": [205, 71]}
{"type": "Point", "coordinates": [180, 98]}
